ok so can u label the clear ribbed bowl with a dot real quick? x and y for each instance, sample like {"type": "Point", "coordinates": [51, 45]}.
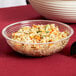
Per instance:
{"type": "Point", "coordinates": [39, 49]}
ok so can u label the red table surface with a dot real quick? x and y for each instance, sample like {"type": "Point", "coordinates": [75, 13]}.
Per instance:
{"type": "Point", "coordinates": [14, 64]}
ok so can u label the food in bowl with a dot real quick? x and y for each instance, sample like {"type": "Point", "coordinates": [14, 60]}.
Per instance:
{"type": "Point", "coordinates": [37, 37]}
{"type": "Point", "coordinates": [39, 34]}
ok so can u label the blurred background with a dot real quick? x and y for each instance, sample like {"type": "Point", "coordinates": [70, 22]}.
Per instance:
{"type": "Point", "coordinates": [12, 3]}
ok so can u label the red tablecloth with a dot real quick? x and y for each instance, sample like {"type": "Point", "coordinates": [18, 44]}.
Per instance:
{"type": "Point", "coordinates": [14, 64]}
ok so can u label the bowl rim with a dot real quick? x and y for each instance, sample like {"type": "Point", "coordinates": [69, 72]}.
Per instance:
{"type": "Point", "coordinates": [26, 21]}
{"type": "Point", "coordinates": [59, 2]}
{"type": "Point", "coordinates": [56, 4]}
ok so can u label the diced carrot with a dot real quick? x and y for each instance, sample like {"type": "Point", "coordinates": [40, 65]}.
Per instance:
{"type": "Point", "coordinates": [50, 32]}
{"type": "Point", "coordinates": [31, 37]}
{"type": "Point", "coordinates": [31, 32]}
{"type": "Point", "coordinates": [35, 26]}
{"type": "Point", "coordinates": [37, 37]}
{"type": "Point", "coordinates": [52, 29]}
{"type": "Point", "coordinates": [50, 40]}
{"type": "Point", "coordinates": [55, 33]}
{"type": "Point", "coordinates": [50, 44]}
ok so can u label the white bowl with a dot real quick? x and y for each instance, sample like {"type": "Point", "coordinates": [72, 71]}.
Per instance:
{"type": "Point", "coordinates": [64, 11]}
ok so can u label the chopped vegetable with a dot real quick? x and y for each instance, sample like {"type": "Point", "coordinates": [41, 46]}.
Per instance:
{"type": "Point", "coordinates": [39, 34]}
